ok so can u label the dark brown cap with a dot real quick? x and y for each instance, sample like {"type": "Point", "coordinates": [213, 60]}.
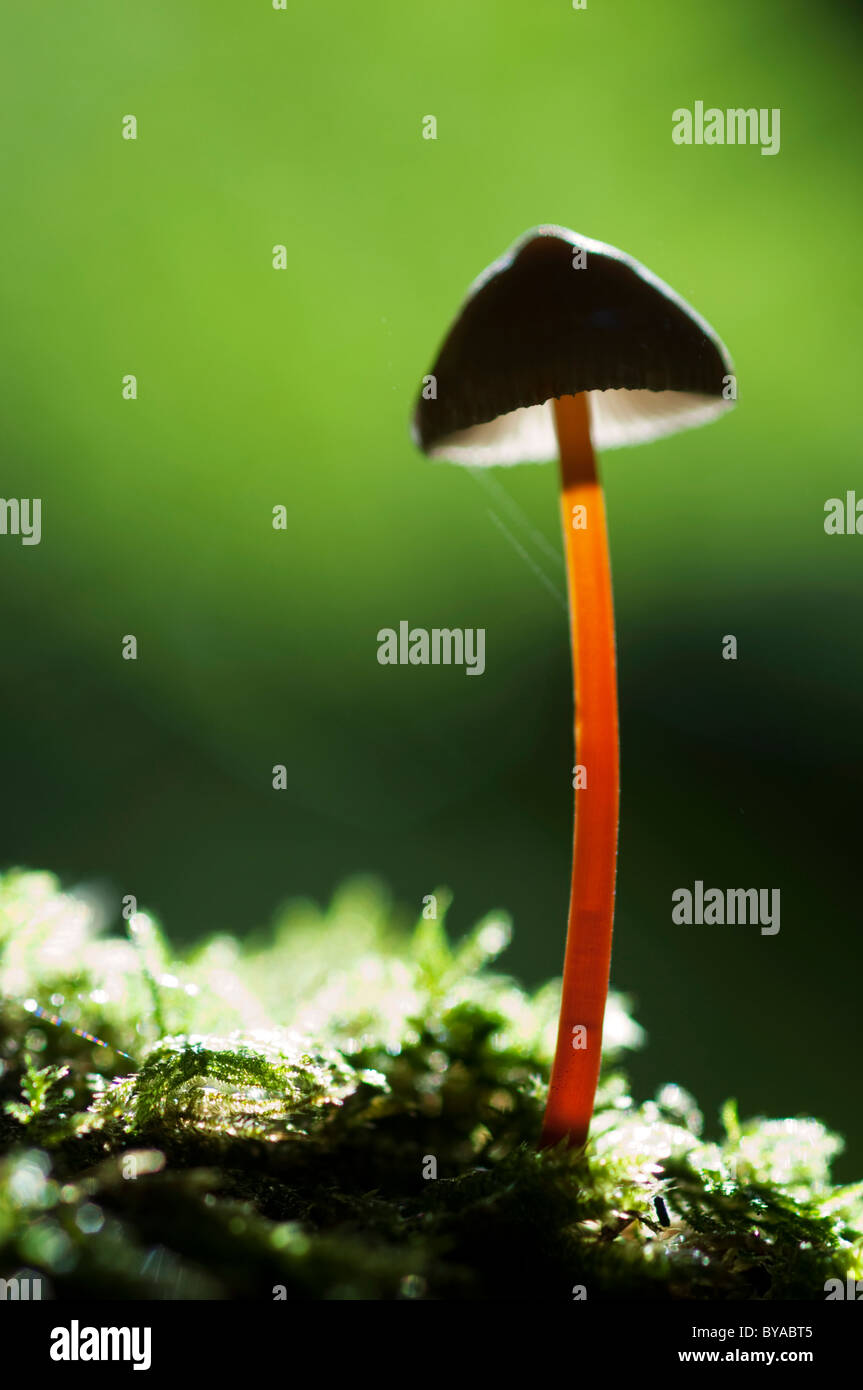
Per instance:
{"type": "Point", "coordinates": [558, 314]}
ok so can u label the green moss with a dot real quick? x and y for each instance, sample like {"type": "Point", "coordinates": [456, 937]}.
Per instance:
{"type": "Point", "coordinates": [291, 1096]}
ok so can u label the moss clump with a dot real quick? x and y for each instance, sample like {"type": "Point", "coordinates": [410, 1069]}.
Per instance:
{"type": "Point", "coordinates": [348, 1109]}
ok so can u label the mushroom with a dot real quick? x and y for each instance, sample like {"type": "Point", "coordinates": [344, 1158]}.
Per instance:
{"type": "Point", "coordinates": [563, 346]}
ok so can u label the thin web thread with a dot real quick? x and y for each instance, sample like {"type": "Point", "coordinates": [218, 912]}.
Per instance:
{"type": "Point", "coordinates": [36, 1009]}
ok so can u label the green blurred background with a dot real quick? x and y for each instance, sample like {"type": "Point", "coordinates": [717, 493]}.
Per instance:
{"type": "Point", "coordinates": [259, 387]}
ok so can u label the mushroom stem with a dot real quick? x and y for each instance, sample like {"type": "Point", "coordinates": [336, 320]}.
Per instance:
{"type": "Point", "coordinates": [591, 908]}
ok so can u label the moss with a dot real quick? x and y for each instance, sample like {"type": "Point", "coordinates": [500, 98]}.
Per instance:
{"type": "Point", "coordinates": [348, 1108]}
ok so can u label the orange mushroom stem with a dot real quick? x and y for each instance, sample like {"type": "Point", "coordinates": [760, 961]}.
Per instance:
{"type": "Point", "coordinates": [594, 857]}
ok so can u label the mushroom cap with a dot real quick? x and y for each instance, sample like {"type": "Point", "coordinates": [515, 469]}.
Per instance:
{"type": "Point", "coordinates": [534, 327]}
